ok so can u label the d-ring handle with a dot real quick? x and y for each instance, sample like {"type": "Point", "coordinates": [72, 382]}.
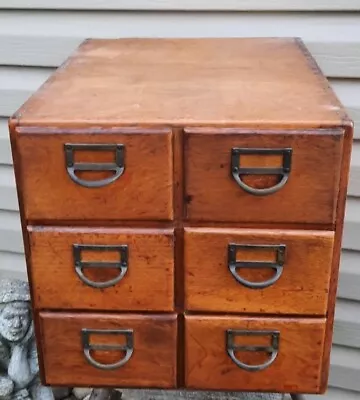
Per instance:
{"type": "Point", "coordinates": [237, 171]}
{"type": "Point", "coordinates": [128, 347]}
{"type": "Point", "coordinates": [121, 265]}
{"type": "Point", "coordinates": [116, 167]}
{"type": "Point", "coordinates": [277, 266]}
{"type": "Point", "coordinates": [272, 349]}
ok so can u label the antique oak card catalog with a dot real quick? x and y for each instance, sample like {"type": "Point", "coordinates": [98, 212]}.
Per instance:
{"type": "Point", "coordinates": [182, 205]}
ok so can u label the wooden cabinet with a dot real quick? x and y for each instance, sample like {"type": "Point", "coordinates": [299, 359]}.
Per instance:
{"type": "Point", "coordinates": [182, 205]}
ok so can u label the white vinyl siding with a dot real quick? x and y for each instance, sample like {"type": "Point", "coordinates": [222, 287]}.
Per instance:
{"type": "Point", "coordinates": [37, 35]}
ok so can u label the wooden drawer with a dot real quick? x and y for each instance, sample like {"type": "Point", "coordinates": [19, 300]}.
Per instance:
{"type": "Point", "coordinates": [73, 353]}
{"type": "Point", "coordinates": [283, 354]}
{"type": "Point", "coordinates": [262, 176]}
{"type": "Point", "coordinates": [102, 268]}
{"type": "Point", "coordinates": [257, 271]}
{"type": "Point", "coordinates": [100, 175]}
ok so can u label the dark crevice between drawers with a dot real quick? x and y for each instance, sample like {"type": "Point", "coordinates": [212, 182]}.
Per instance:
{"type": "Point", "coordinates": [97, 310]}
{"type": "Point", "coordinates": [180, 373]}
{"type": "Point", "coordinates": [251, 314]}
{"type": "Point", "coordinates": [259, 225]}
{"type": "Point", "coordinates": [102, 223]}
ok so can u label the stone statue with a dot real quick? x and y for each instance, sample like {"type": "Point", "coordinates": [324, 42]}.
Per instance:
{"type": "Point", "coordinates": [19, 368]}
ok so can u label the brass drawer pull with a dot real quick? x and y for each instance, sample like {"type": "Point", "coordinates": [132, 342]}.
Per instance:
{"type": "Point", "coordinates": [121, 265]}
{"type": "Point", "coordinates": [128, 348]}
{"type": "Point", "coordinates": [116, 167]}
{"type": "Point", "coordinates": [272, 349]}
{"type": "Point", "coordinates": [237, 171]}
{"type": "Point", "coordinates": [277, 266]}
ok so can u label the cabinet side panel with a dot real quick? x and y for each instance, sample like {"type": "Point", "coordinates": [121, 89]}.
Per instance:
{"type": "Point", "coordinates": [17, 170]}
{"type": "Point", "coordinates": [340, 214]}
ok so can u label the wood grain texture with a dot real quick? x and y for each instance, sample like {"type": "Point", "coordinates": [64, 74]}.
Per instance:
{"type": "Point", "coordinates": [179, 106]}
{"type": "Point", "coordinates": [148, 284]}
{"type": "Point", "coordinates": [345, 170]}
{"type": "Point", "coordinates": [301, 289]}
{"type": "Point", "coordinates": [152, 364]}
{"type": "Point", "coordinates": [25, 241]}
{"type": "Point", "coordinates": [143, 192]}
{"type": "Point", "coordinates": [309, 196]}
{"type": "Point", "coordinates": [171, 81]}
{"type": "Point", "coordinates": [297, 367]}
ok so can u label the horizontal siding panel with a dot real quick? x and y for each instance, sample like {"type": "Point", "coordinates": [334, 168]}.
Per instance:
{"type": "Point", "coordinates": [352, 225]}
{"type": "Point", "coordinates": [17, 84]}
{"type": "Point", "coordinates": [349, 282]}
{"type": "Point", "coordinates": [12, 265]}
{"type": "Point", "coordinates": [41, 51]}
{"type": "Point", "coordinates": [188, 5]}
{"type": "Point", "coordinates": [335, 394]}
{"type": "Point", "coordinates": [5, 150]}
{"type": "Point", "coordinates": [335, 59]}
{"type": "Point", "coordinates": [354, 113]}
{"type": "Point", "coordinates": [10, 232]}
{"type": "Point", "coordinates": [347, 323]}
{"type": "Point", "coordinates": [354, 180]}
{"type": "Point", "coordinates": [316, 27]}
{"type": "Point", "coordinates": [345, 368]}
{"type": "Point", "coordinates": [8, 196]}
{"type": "Point", "coordinates": [348, 91]}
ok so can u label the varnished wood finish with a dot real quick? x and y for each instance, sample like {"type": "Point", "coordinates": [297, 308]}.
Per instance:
{"type": "Point", "coordinates": [143, 192]}
{"type": "Point", "coordinates": [152, 364]}
{"type": "Point", "coordinates": [19, 191]}
{"type": "Point", "coordinates": [179, 106]}
{"type": "Point", "coordinates": [345, 168]}
{"type": "Point", "coordinates": [238, 82]}
{"type": "Point", "coordinates": [297, 367]}
{"type": "Point", "coordinates": [148, 284]}
{"type": "Point", "coordinates": [309, 195]}
{"type": "Point", "coordinates": [301, 289]}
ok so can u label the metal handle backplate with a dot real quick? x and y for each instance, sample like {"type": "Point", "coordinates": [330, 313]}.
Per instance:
{"type": "Point", "coordinates": [121, 265]}
{"type": "Point", "coordinates": [128, 347]}
{"type": "Point", "coordinates": [234, 265]}
{"type": "Point", "coordinates": [283, 172]}
{"type": "Point", "coordinates": [271, 350]}
{"type": "Point", "coordinates": [117, 167]}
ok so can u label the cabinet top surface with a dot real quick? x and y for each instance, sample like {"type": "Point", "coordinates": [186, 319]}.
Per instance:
{"type": "Point", "coordinates": [246, 82]}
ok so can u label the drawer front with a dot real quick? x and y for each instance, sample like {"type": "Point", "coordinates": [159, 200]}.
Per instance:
{"type": "Point", "coordinates": [257, 271]}
{"type": "Point", "coordinates": [102, 269]}
{"type": "Point", "coordinates": [98, 177]}
{"type": "Point", "coordinates": [274, 177]}
{"type": "Point", "coordinates": [256, 354]}
{"type": "Point", "coordinates": [109, 350]}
